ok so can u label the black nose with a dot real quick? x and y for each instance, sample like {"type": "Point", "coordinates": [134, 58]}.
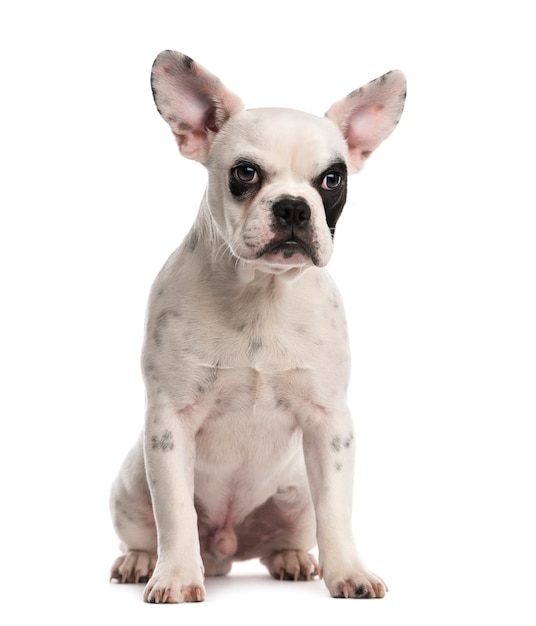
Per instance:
{"type": "Point", "coordinates": [291, 211]}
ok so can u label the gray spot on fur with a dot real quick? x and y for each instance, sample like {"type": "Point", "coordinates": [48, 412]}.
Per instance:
{"type": "Point", "coordinates": [336, 443]}
{"type": "Point", "coordinates": [187, 61]}
{"type": "Point", "coordinates": [163, 442]}
{"type": "Point", "coordinates": [356, 93]}
{"type": "Point", "coordinates": [282, 403]}
{"type": "Point", "coordinates": [162, 321]}
{"type": "Point", "coordinates": [254, 347]}
{"type": "Point", "coordinates": [164, 317]}
{"type": "Point", "coordinates": [151, 372]}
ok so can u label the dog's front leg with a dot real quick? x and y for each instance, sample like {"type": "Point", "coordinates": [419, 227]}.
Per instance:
{"type": "Point", "coordinates": [169, 448]}
{"type": "Point", "coordinates": [329, 450]}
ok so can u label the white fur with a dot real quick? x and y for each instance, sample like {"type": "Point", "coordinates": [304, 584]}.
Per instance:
{"type": "Point", "coordinates": [248, 446]}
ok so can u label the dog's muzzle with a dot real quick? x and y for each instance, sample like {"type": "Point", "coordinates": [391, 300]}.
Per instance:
{"type": "Point", "coordinates": [291, 226]}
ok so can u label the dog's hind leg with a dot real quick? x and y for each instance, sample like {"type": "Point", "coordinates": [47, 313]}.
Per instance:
{"type": "Point", "coordinates": [281, 532]}
{"type": "Point", "coordinates": [133, 519]}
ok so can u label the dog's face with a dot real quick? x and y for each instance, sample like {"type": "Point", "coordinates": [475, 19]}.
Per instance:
{"type": "Point", "coordinates": [277, 177]}
{"type": "Point", "coordinates": [277, 186]}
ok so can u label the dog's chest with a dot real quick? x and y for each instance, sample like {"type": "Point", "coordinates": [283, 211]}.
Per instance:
{"type": "Point", "coordinates": [249, 439]}
{"type": "Point", "coordinates": [271, 349]}
{"type": "Point", "coordinates": [246, 406]}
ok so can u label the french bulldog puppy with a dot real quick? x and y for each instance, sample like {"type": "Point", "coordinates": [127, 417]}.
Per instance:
{"type": "Point", "coordinates": [248, 445]}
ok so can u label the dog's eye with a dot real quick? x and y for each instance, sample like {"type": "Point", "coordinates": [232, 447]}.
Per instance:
{"type": "Point", "coordinates": [246, 174]}
{"type": "Point", "coordinates": [331, 181]}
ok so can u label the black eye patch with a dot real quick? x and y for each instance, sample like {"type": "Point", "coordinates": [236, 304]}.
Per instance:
{"type": "Point", "coordinates": [245, 179]}
{"type": "Point", "coordinates": [331, 184]}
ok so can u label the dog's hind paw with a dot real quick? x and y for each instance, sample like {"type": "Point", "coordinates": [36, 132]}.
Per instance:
{"type": "Point", "coordinates": [136, 566]}
{"type": "Point", "coordinates": [291, 565]}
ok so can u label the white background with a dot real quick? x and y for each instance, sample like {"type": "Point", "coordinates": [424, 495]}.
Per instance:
{"type": "Point", "coordinates": [435, 256]}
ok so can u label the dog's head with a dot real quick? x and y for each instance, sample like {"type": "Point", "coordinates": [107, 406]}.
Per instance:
{"type": "Point", "coordinates": [277, 177]}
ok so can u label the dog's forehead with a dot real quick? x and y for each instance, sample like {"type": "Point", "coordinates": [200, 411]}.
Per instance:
{"type": "Point", "coordinates": [283, 137]}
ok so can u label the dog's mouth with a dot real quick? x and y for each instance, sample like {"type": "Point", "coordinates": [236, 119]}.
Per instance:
{"type": "Point", "coordinates": [288, 248]}
{"type": "Point", "coordinates": [288, 251]}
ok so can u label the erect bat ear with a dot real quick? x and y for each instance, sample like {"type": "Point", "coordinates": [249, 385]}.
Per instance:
{"type": "Point", "coordinates": [369, 115]}
{"type": "Point", "coordinates": [194, 102]}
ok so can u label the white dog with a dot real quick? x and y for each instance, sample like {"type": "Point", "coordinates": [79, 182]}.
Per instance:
{"type": "Point", "coordinates": [248, 446]}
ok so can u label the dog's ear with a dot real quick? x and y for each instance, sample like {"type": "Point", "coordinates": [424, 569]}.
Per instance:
{"type": "Point", "coordinates": [369, 115]}
{"type": "Point", "coordinates": [193, 102]}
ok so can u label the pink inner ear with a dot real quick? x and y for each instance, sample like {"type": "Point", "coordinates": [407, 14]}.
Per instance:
{"type": "Point", "coordinates": [190, 128]}
{"type": "Point", "coordinates": [192, 144]}
{"type": "Point", "coordinates": [365, 128]}
{"type": "Point", "coordinates": [194, 112]}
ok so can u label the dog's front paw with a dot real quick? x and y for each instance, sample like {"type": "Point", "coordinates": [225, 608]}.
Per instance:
{"type": "Point", "coordinates": [359, 584]}
{"type": "Point", "coordinates": [291, 565]}
{"type": "Point", "coordinates": [169, 587]}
